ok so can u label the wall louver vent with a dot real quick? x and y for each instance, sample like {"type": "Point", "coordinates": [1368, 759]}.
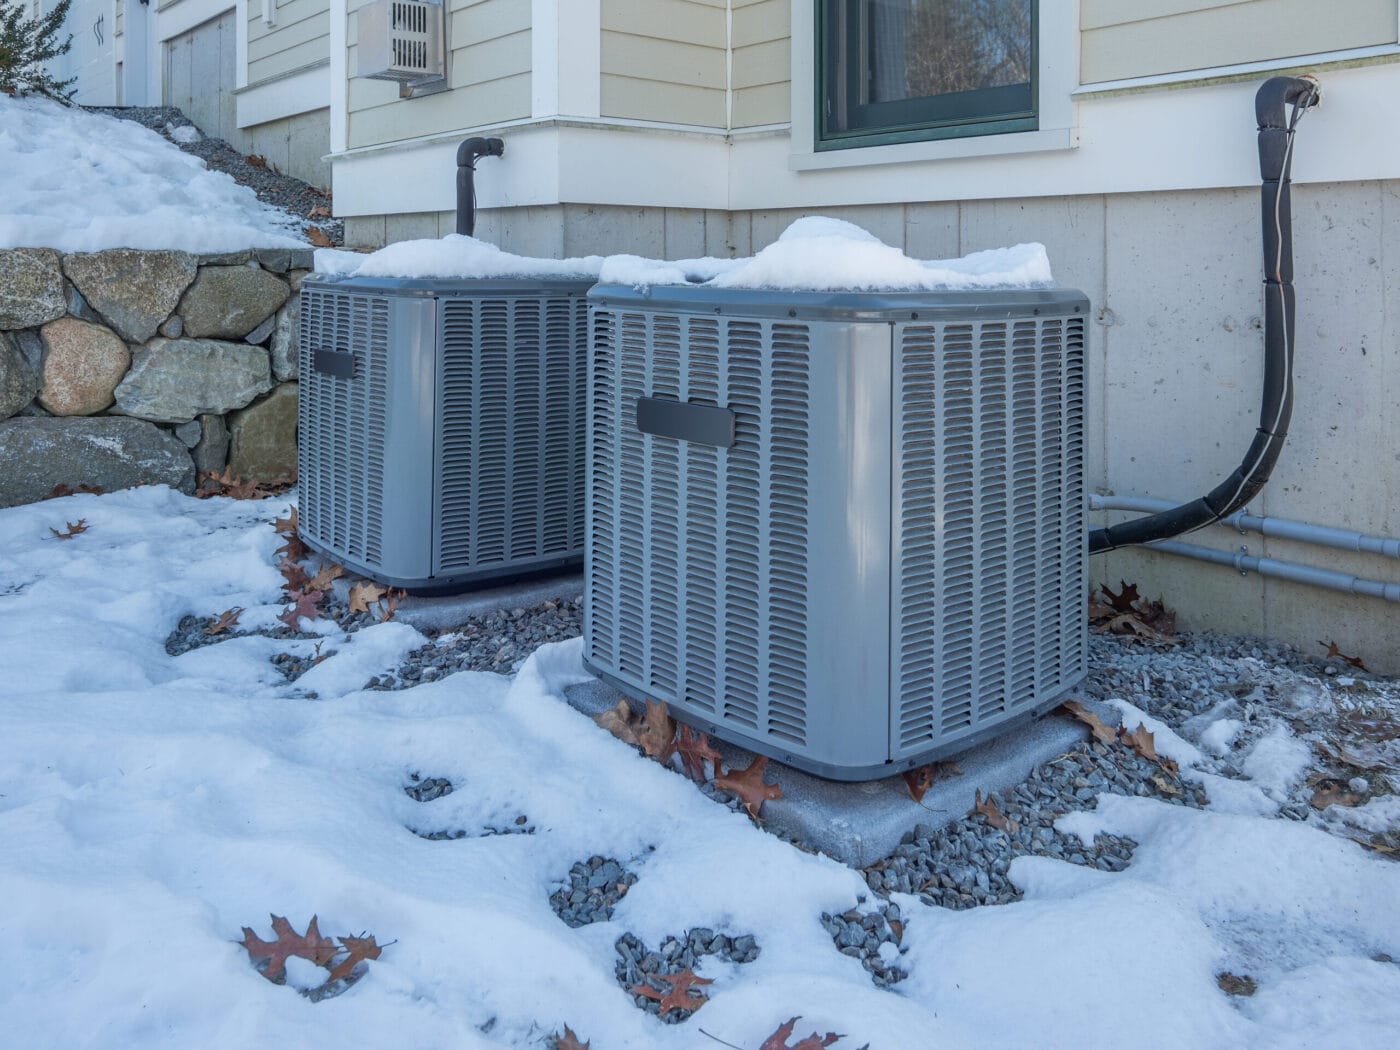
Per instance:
{"type": "Point", "coordinates": [887, 564]}
{"type": "Point", "coordinates": [400, 40]}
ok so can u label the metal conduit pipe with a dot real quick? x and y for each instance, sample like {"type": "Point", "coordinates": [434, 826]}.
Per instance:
{"type": "Point", "coordinates": [1283, 570]}
{"type": "Point", "coordinates": [1274, 528]}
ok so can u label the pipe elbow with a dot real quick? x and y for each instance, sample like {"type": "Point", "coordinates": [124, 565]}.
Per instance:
{"type": "Point", "coordinates": [1277, 93]}
{"type": "Point", "coordinates": [472, 148]}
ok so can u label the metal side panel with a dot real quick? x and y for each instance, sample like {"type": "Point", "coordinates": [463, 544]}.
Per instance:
{"type": "Point", "coordinates": [988, 535]}
{"type": "Point", "coordinates": [745, 586]}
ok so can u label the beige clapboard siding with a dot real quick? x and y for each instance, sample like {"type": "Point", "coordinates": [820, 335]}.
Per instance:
{"type": "Point", "coordinates": [762, 69]}
{"type": "Point", "coordinates": [300, 38]}
{"type": "Point", "coordinates": [665, 60]}
{"type": "Point", "coordinates": [490, 71]}
{"type": "Point", "coordinates": [1136, 38]}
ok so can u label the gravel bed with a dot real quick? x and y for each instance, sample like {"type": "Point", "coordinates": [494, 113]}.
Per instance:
{"type": "Point", "coordinates": [425, 790]}
{"type": "Point", "coordinates": [498, 641]}
{"type": "Point", "coordinates": [638, 965]}
{"type": "Point", "coordinates": [521, 826]}
{"type": "Point", "coordinates": [595, 886]}
{"type": "Point", "coordinates": [281, 191]}
{"type": "Point", "coordinates": [873, 937]}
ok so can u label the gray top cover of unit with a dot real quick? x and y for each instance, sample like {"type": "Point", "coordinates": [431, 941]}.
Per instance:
{"type": "Point", "coordinates": [435, 286]}
{"type": "Point", "coordinates": [844, 306]}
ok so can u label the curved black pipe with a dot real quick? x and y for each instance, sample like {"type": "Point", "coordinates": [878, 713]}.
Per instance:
{"type": "Point", "coordinates": [467, 153]}
{"type": "Point", "coordinates": [1276, 130]}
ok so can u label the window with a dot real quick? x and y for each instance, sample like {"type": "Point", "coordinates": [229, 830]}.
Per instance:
{"type": "Point", "coordinates": [910, 70]}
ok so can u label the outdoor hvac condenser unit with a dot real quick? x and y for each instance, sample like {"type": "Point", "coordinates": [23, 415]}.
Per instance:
{"type": "Point", "coordinates": [846, 531]}
{"type": "Point", "coordinates": [441, 425]}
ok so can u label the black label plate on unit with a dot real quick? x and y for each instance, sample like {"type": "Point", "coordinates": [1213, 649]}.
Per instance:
{"type": "Point", "coordinates": [338, 363]}
{"type": "Point", "coordinates": [686, 421]}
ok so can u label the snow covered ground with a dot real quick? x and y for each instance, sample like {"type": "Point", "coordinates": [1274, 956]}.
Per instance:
{"type": "Point", "coordinates": [151, 806]}
{"type": "Point", "coordinates": [84, 182]}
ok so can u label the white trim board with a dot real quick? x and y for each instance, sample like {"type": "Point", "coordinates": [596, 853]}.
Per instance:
{"type": "Point", "coordinates": [189, 14]}
{"type": "Point", "coordinates": [303, 91]}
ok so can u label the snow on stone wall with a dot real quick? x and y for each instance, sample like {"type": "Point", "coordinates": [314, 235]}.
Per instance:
{"type": "Point", "coordinates": [126, 367]}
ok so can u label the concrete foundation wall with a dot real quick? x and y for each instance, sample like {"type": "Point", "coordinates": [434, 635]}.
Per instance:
{"type": "Point", "coordinates": [1175, 360]}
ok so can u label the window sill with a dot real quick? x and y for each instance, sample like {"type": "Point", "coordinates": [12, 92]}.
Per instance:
{"type": "Point", "coordinates": [940, 149]}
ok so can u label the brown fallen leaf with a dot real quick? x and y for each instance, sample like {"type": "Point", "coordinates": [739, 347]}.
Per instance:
{"type": "Point", "coordinates": [75, 528]}
{"type": "Point", "coordinates": [1142, 742]}
{"type": "Point", "coordinates": [1328, 791]}
{"type": "Point", "coordinates": [390, 604]}
{"type": "Point", "coordinates": [1165, 786]}
{"type": "Point", "coordinates": [620, 722]}
{"type": "Point", "coordinates": [292, 549]}
{"type": "Point", "coordinates": [1133, 626]}
{"type": "Point", "coordinates": [897, 928]}
{"type": "Point", "coordinates": [257, 160]}
{"type": "Point", "coordinates": [918, 781]}
{"type": "Point", "coordinates": [695, 750]}
{"type": "Point", "coordinates": [569, 1041]}
{"type": "Point", "coordinates": [286, 526]}
{"type": "Point", "coordinates": [748, 785]}
{"type": "Point", "coordinates": [358, 950]}
{"type": "Point", "coordinates": [310, 946]}
{"type": "Point", "coordinates": [658, 732]}
{"type": "Point", "coordinates": [1103, 733]}
{"type": "Point", "coordinates": [363, 595]}
{"type": "Point", "coordinates": [1122, 601]}
{"type": "Point", "coordinates": [318, 238]}
{"type": "Point", "coordinates": [319, 212]}
{"type": "Point", "coordinates": [995, 817]}
{"type": "Point", "coordinates": [779, 1039]}
{"type": "Point", "coordinates": [326, 575]}
{"type": "Point", "coordinates": [227, 484]}
{"type": "Point", "coordinates": [294, 574]}
{"type": "Point", "coordinates": [304, 604]}
{"type": "Point", "coordinates": [60, 490]}
{"type": "Point", "coordinates": [1236, 984]}
{"type": "Point", "coordinates": [225, 620]}
{"type": "Point", "coordinates": [679, 997]}
{"type": "Point", "coordinates": [1333, 653]}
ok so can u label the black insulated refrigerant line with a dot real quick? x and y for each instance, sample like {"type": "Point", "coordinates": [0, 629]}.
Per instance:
{"type": "Point", "coordinates": [467, 153]}
{"type": "Point", "coordinates": [1276, 130]}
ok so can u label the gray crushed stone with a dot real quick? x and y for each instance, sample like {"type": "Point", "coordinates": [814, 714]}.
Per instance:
{"type": "Point", "coordinates": [593, 889]}
{"type": "Point", "coordinates": [862, 935]}
{"type": "Point", "coordinates": [281, 191]}
{"type": "Point", "coordinates": [425, 790]}
{"type": "Point", "coordinates": [520, 826]}
{"type": "Point", "coordinates": [638, 965]}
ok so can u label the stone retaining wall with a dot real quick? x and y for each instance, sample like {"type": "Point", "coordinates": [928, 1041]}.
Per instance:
{"type": "Point", "coordinates": [128, 367]}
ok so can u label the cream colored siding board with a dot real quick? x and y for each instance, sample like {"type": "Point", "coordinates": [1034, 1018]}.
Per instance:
{"type": "Point", "coordinates": [295, 58]}
{"type": "Point", "coordinates": [489, 21]}
{"type": "Point", "coordinates": [669, 103]}
{"type": "Point", "coordinates": [1221, 35]}
{"type": "Point", "coordinates": [464, 107]}
{"type": "Point", "coordinates": [1095, 14]}
{"type": "Point", "coordinates": [287, 14]}
{"type": "Point", "coordinates": [686, 20]}
{"type": "Point", "coordinates": [312, 30]}
{"type": "Point", "coordinates": [761, 21]}
{"type": "Point", "coordinates": [767, 104]}
{"type": "Point", "coordinates": [767, 63]}
{"type": "Point", "coordinates": [663, 60]}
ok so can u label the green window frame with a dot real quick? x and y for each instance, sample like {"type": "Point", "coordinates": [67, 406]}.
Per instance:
{"type": "Point", "coordinates": [847, 117]}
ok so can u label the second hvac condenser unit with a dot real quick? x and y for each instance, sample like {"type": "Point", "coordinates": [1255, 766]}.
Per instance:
{"type": "Point", "coordinates": [846, 531]}
{"type": "Point", "coordinates": [441, 427]}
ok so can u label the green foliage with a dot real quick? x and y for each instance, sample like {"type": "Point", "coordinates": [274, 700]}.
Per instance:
{"type": "Point", "coordinates": [26, 44]}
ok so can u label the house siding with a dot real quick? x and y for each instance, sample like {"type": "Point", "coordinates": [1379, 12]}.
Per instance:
{"type": "Point", "coordinates": [1137, 38]}
{"type": "Point", "coordinates": [762, 67]}
{"type": "Point", "coordinates": [490, 61]}
{"type": "Point", "coordinates": [665, 61]}
{"type": "Point", "coordinates": [300, 38]}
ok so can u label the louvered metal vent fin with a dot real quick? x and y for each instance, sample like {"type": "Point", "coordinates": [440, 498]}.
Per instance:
{"type": "Point", "coordinates": [698, 555]}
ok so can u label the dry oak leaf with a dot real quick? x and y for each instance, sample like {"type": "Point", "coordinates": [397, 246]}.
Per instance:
{"type": "Point", "coordinates": [391, 602]}
{"type": "Point", "coordinates": [294, 574]}
{"type": "Point", "coordinates": [226, 619]}
{"type": "Point", "coordinates": [358, 950]}
{"type": "Point", "coordinates": [1141, 741]}
{"type": "Point", "coordinates": [75, 528]}
{"type": "Point", "coordinates": [227, 484]}
{"type": "Point", "coordinates": [363, 595]}
{"type": "Point", "coordinates": [569, 1041]}
{"type": "Point", "coordinates": [918, 781]}
{"type": "Point", "coordinates": [1333, 653]}
{"type": "Point", "coordinates": [695, 750]}
{"type": "Point", "coordinates": [325, 576]}
{"type": "Point", "coordinates": [679, 997]}
{"type": "Point", "coordinates": [319, 212]}
{"type": "Point", "coordinates": [257, 160]}
{"type": "Point", "coordinates": [1331, 792]}
{"type": "Point", "coordinates": [310, 946]}
{"type": "Point", "coordinates": [286, 526]}
{"type": "Point", "coordinates": [60, 490]}
{"type": "Point", "coordinates": [318, 238]}
{"type": "Point", "coordinates": [779, 1039]}
{"type": "Point", "coordinates": [1103, 733]}
{"type": "Point", "coordinates": [748, 785]}
{"type": "Point", "coordinates": [620, 722]}
{"type": "Point", "coordinates": [292, 548]}
{"type": "Point", "coordinates": [658, 733]}
{"type": "Point", "coordinates": [304, 603]}
{"type": "Point", "coordinates": [1122, 601]}
{"type": "Point", "coordinates": [995, 817]}
{"type": "Point", "coordinates": [1236, 984]}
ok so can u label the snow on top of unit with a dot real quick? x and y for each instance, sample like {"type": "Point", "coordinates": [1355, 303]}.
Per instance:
{"type": "Point", "coordinates": [813, 254]}
{"type": "Point", "coordinates": [821, 254]}
{"type": "Point", "coordinates": [451, 256]}
{"type": "Point", "coordinates": [83, 182]}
